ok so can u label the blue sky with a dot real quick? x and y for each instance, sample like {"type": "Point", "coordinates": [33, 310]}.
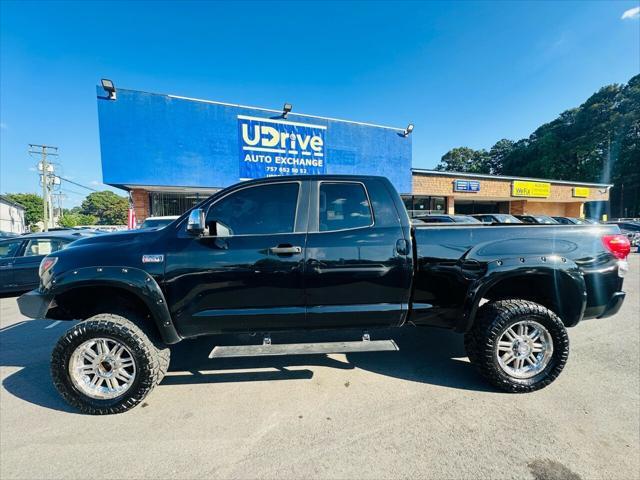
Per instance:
{"type": "Point", "coordinates": [465, 73]}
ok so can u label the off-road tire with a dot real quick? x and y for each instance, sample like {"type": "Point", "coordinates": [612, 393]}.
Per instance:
{"type": "Point", "coordinates": [129, 312]}
{"type": "Point", "coordinates": [492, 320]}
{"type": "Point", "coordinates": [151, 363]}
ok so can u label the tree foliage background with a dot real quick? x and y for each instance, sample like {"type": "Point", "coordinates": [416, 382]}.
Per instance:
{"type": "Point", "coordinates": [108, 207]}
{"type": "Point", "coordinates": [599, 142]}
{"type": "Point", "coordinates": [98, 208]}
{"type": "Point", "coordinates": [74, 217]}
{"type": "Point", "coordinates": [33, 206]}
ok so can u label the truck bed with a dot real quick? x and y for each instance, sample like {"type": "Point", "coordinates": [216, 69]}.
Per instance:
{"type": "Point", "coordinates": [451, 259]}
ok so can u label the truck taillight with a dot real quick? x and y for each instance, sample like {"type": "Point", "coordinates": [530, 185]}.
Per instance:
{"type": "Point", "coordinates": [46, 264]}
{"type": "Point", "coordinates": [618, 245]}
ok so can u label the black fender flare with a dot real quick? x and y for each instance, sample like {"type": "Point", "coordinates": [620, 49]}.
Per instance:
{"type": "Point", "coordinates": [570, 292]}
{"type": "Point", "coordinates": [134, 280]}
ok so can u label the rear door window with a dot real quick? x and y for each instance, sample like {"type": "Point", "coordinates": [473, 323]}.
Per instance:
{"type": "Point", "coordinates": [44, 246]}
{"type": "Point", "coordinates": [344, 205]}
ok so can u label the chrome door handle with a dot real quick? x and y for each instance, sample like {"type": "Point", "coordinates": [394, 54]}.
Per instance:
{"type": "Point", "coordinates": [284, 249]}
{"type": "Point", "coordinates": [6, 266]}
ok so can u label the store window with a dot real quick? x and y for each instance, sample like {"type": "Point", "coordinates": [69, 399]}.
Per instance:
{"type": "Point", "coordinates": [471, 207]}
{"type": "Point", "coordinates": [422, 204]}
{"type": "Point", "coordinates": [166, 203]}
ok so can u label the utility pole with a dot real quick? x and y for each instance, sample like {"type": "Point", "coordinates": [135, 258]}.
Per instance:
{"type": "Point", "coordinates": [60, 196]}
{"type": "Point", "coordinates": [45, 170]}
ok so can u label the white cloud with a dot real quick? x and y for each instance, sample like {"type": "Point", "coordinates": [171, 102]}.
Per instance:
{"type": "Point", "coordinates": [631, 13]}
{"type": "Point", "coordinates": [95, 182]}
{"type": "Point", "coordinates": [3, 126]}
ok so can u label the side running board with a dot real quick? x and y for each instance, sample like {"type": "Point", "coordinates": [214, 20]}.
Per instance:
{"type": "Point", "coordinates": [269, 349]}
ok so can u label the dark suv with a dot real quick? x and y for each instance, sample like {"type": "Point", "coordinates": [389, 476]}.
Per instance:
{"type": "Point", "coordinates": [445, 219]}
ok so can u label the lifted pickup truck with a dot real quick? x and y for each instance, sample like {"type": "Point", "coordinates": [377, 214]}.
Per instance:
{"type": "Point", "coordinates": [319, 252]}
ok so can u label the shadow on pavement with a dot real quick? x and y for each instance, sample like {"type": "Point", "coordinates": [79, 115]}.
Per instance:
{"type": "Point", "coordinates": [426, 355]}
{"type": "Point", "coordinates": [27, 345]}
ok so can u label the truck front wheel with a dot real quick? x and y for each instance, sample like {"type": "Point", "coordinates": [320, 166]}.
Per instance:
{"type": "Point", "coordinates": [106, 364]}
{"type": "Point", "coordinates": [518, 346]}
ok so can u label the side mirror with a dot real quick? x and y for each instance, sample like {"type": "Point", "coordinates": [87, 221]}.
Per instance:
{"type": "Point", "coordinates": [195, 224]}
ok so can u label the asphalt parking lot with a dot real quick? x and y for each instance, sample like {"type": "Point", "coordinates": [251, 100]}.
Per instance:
{"type": "Point", "coordinates": [421, 412]}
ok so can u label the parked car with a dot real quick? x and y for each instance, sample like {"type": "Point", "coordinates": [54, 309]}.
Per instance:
{"type": "Point", "coordinates": [157, 222]}
{"type": "Point", "coordinates": [8, 234]}
{"type": "Point", "coordinates": [318, 252]}
{"type": "Point", "coordinates": [437, 218]}
{"type": "Point", "coordinates": [631, 229]}
{"type": "Point", "coordinates": [537, 219]}
{"type": "Point", "coordinates": [20, 258]}
{"type": "Point", "coordinates": [571, 221]}
{"type": "Point", "coordinates": [496, 218]}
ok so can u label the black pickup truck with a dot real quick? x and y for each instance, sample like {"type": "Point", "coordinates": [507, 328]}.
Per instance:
{"type": "Point", "coordinates": [319, 252]}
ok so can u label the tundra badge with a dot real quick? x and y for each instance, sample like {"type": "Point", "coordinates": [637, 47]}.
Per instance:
{"type": "Point", "coordinates": [152, 258]}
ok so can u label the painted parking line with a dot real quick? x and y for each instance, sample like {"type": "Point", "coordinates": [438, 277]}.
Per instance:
{"type": "Point", "coordinates": [54, 324]}
{"type": "Point", "coordinates": [4, 329]}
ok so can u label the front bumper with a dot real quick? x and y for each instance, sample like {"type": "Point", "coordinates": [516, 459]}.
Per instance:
{"type": "Point", "coordinates": [34, 304]}
{"type": "Point", "coordinates": [614, 305]}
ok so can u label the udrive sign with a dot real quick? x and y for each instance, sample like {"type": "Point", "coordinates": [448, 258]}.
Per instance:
{"type": "Point", "coordinates": [270, 147]}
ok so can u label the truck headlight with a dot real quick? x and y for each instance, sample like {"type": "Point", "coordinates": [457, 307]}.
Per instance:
{"type": "Point", "coordinates": [46, 264]}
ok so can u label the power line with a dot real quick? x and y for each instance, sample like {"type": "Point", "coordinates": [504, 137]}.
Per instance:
{"type": "Point", "coordinates": [74, 192]}
{"type": "Point", "coordinates": [78, 184]}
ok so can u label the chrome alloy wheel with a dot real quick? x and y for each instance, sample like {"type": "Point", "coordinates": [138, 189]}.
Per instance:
{"type": "Point", "coordinates": [102, 368]}
{"type": "Point", "coordinates": [524, 349]}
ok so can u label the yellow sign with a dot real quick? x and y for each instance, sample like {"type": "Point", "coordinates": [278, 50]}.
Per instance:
{"type": "Point", "coordinates": [582, 192]}
{"type": "Point", "coordinates": [530, 189]}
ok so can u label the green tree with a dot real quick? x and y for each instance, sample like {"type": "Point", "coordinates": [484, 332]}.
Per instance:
{"type": "Point", "coordinates": [33, 206]}
{"type": "Point", "coordinates": [599, 141]}
{"type": "Point", "coordinates": [107, 207]}
{"type": "Point", "coordinates": [465, 159]}
{"type": "Point", "coordinates": [501, 150]}
{"type": "Point", "coordinates": [74, 219]}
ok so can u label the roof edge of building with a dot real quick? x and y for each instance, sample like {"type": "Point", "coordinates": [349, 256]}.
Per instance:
{"type": "Point", "coordinates": [502, 177]}
{"type": "Point", "coordinates": [6, 199]}
{"type": "Point", "coordinates": [163, 188]}
{"type": "Point", "coordinates": [270, 110]}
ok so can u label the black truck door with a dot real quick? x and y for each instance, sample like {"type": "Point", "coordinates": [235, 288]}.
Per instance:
{"type": "Point", "coordinates": [357, 271]}
{"type": "Point", "coordinates": [251, 279]}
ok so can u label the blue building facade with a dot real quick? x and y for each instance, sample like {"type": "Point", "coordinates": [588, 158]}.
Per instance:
{"type": "Point", "coordinates": [166, 144]}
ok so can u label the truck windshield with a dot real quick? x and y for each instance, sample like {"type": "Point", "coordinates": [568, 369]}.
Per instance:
{"type": "Point", "coordinates": [545, 219]}
{"type": "Point", "coordinates": [465, 219]}
{"type": "Point", "coordinates": [505, 218]}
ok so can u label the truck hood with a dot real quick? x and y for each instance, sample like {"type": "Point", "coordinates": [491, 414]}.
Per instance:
{"type": "Point", "coordinates": [115, 238]}
{"type": "Point", "coordinates": [118, 249]}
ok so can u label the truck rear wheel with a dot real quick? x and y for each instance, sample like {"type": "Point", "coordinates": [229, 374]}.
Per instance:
{"type": "Point", "coordinates": [517, 345]}
{"type": "Point", "coordinates": [106, 364]}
